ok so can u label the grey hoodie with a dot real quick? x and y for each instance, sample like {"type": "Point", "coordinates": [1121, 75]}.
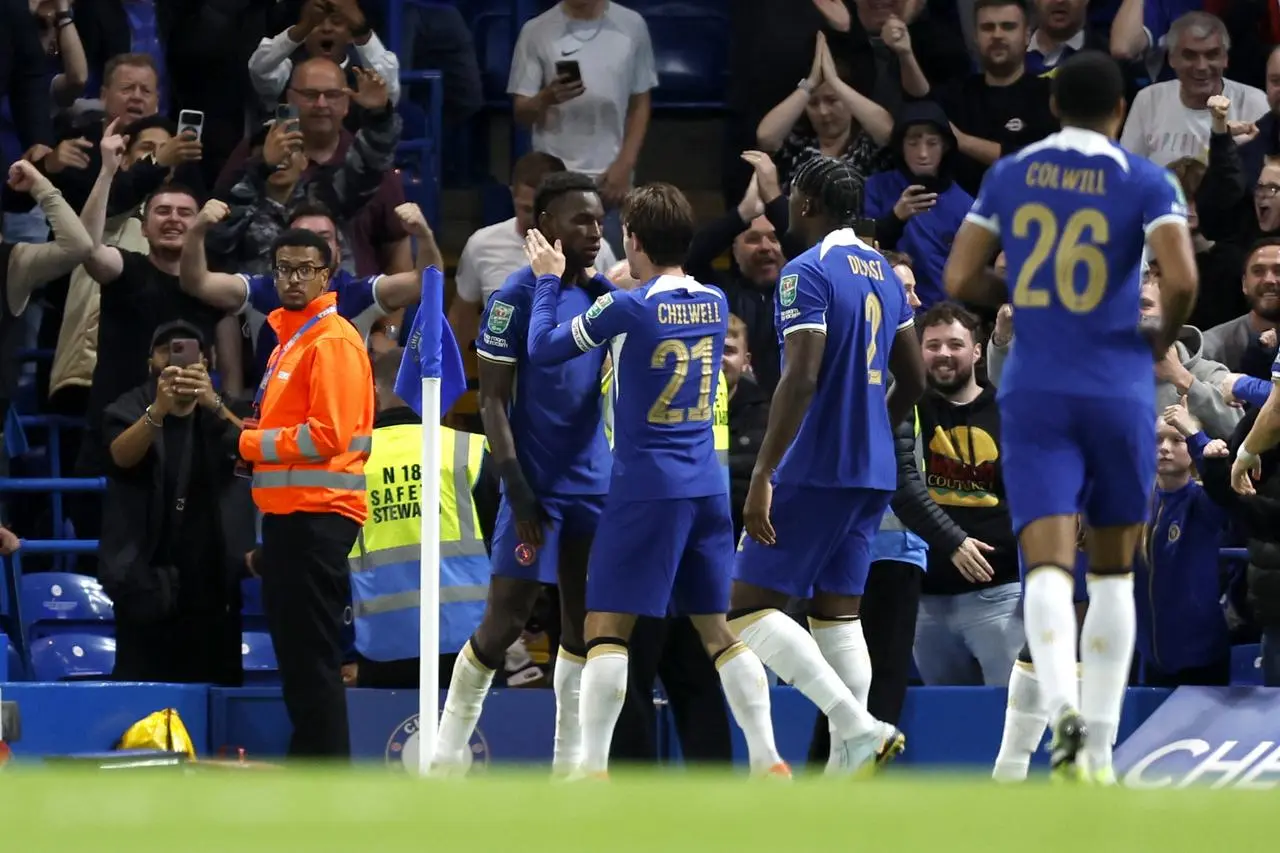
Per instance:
{"type": "Point", "coordinates": [1204, 398]}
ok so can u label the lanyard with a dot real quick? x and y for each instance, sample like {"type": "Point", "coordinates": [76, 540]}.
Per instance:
{"type": "Point", "coordinates": [280, 353]}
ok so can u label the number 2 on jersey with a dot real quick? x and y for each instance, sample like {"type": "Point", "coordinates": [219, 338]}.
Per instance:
{"type": "Point", "coordinates": [1068, 253]}
{"type": "Point", "coordinates": [661, 411]}
{"type": "Point", "coordinates": [875, 316]}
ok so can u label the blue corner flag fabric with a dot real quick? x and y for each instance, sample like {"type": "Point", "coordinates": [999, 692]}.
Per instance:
{"type": "Point", "coordinates": [432, 352]}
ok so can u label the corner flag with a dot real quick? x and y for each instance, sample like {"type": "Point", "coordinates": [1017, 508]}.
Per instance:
{"type": "Point", "coordinates": [432, 352]}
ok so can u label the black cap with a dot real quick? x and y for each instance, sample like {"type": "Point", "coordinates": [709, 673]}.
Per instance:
{"type": "Point", "coordinates": [166, 332]}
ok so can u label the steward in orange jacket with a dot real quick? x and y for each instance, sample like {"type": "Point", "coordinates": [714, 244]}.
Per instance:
{"type": "Point", "coordinates": [314, 431]}
{"type": "Point", "coordinates": [315, 425]}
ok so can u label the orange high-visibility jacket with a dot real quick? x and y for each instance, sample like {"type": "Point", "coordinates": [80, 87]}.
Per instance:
{"type": "Point", "coordinates": [316, 423]}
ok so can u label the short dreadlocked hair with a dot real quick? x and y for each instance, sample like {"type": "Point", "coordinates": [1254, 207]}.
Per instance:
{"type": "Point", "coordinates": [835, 184]}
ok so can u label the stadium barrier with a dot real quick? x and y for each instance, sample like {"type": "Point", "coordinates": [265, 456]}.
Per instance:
{"type": "Point", "coordinates": [952, 727]}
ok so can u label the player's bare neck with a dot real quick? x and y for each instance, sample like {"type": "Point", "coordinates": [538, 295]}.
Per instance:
{"type": "Point", "coordinates": [678, 272]}
{"type": "Point", "coordinates": [1172, 482]}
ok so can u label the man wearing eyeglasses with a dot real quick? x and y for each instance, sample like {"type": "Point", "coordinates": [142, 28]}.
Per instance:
{"type": "Point", "coordinates": [307, 448]}
{"type": "Point", "coordinates": [320, 90]}
{"type": "Point", "coordinates": [363, 300]}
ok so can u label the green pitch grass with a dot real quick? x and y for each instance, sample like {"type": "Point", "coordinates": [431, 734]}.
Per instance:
{"type": "Point", "coordinates": [163, 811]}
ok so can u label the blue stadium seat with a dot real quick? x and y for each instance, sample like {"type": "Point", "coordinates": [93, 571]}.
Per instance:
{"type": "Point", "coordinates": [258, 658]}
{"type": "Point", "coordinates": [11, 664]}
{"type": "Point", "coordinates": [1246, 665]}
{"type": "Point", "coordinates": [691, 49]}
{"type": "Point", "coordinates": [60, 603]}
{"type": "Point", "coordinates": [71, 657]}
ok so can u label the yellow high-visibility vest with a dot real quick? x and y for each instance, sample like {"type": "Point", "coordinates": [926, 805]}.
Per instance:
{"type": "Point", "coordinates": [386, 558]}
{"type": "Point", "coordinates": [719, 417]}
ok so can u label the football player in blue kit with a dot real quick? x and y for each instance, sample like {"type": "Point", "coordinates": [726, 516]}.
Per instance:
{"type": "Point", "coordinates": [1077, 397]}
{"type": "Point", "coordinates": [666, 533]}
{"type": "Point", "coordinates": [826, 468]}
{"type": "Point", "coordinates": [545, 430]}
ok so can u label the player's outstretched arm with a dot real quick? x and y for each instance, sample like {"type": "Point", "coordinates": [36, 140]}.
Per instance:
{"type": "Point", "coordinates": [1169, 240]}
{"type": "Point", "coordinates": [552, 343]}
{"type": "Point", "coordinates": [906, 363]}
{"type": "Point", "coordinates": [967, 275]}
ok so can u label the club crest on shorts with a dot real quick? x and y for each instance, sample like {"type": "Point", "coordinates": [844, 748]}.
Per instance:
{"type": "Point", "coordinates": [402, 747]}
{"type": "Point", "coordinates": [500, 314]}
{"type": "Point", "coordinates": [525, 554]}
{"type": "Point", "coordinates": [597, 307]}
{"type": "Point", "coordinates": [787, 289]}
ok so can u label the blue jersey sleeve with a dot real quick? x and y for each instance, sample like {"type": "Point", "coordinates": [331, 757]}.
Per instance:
{"type": "Point", "coordinates": [357, 295]}
{"type": "Point", "coordinates": [803, 298]}
{"type": "Point", "coordinates": [1162, 199]}
{"type": "Point", "coordinates": [550, 343]}
{"type": "Point", "coordinates": [261, 293]}
{"type": "Point", "coordinates": [504, 325]}
{"type": "Point", "coordinates": [985, 213]}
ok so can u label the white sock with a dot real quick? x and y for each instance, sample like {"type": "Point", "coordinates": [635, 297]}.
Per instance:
{"type": "Point", "coordinates": [604, 689]}
{"type": "Point", "coordinates": [793, 654]}
{"type": "Point", "coordinates": [1050, 618]}
{"type": "Point", "coordinates": [1025, 718]}
{"type": "Point", "coordinates": [843, 645]}
{"type": "Point", "coordinates": [567, 681]}
{"type": "Point", "coordinates": [746, 687]}
{"type": "Point", "coordinates": [467, 688]}
{"type": "Point", "coordinates": [1106, 653]}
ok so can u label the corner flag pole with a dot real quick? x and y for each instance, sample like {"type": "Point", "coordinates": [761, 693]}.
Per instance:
{"type": "Point", "coordinates": [429, 608]}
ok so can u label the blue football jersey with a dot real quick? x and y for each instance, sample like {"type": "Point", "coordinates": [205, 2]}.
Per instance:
{"type": "Point", "coordinates": [847, 290]}
{"type": "Point", "coordinates": [555, 409]}
{"type": "Point", "coordinates": [1072, 213]}
{"type": "Point", "coordinates": [355, 296]}
{"type": "Point", "coordinates": [666, 338]}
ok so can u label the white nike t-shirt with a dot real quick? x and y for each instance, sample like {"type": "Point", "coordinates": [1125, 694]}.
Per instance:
{"type": "Point", "coordinates": [615, 56]}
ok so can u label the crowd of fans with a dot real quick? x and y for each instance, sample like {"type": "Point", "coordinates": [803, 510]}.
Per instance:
{"type": "Point", "coordinates": [131, 220]}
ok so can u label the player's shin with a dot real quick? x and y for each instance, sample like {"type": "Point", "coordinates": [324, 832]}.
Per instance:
{"type": "Point", "coordinates": [1050, 619]}
{"type": "Point", "coordinates": [746, 687]}
{"type": "Point", "coordinates": [842, 643]}
{"type": "Point", "coordinates": [792, 653]}
{"type": "Point", "coordinates": [1025, 718]}
{"type": "Point", "coordinates": [467, 688]}
{"type": "Point", "coordinates": [1106, 652]}
{"type": "Point", "coordinates": [604, 689]}
{"type": "Point", "coordinates": [567, 753]}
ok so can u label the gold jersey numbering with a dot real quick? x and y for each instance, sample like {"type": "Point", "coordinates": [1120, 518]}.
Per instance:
{"type": "Point", "coordinates": [1069, 249]}
{"type": "Point", "coordinates": [675, 350]}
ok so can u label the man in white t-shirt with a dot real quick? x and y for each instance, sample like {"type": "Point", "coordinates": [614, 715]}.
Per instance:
{"type": "Point", "coordinates": [496, 251]}
{"type": "Point", "coordinates": [580, 78]}
{"type": "Point", "coordinates": [1172, 119]}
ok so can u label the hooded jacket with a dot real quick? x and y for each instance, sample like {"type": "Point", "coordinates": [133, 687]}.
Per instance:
{"type": "Point", "coordinates": [962, 471]}
{"type": "Point", "coordinates": [1204, 397]}
{"type": "Point", "coordinates": [927, 236]}
{"type": "Point", "coordinates": [1180, 622]}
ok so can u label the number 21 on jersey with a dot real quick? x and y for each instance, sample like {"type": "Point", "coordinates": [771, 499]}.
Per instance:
{"type": "Point", "coordinates": [1069, 252]}
{"type": "Point", "coordinates": [674, 351]}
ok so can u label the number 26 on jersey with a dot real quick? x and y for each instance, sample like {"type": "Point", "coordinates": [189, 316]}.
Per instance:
{"type": "Point", "coordinates": [1073, 260]}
